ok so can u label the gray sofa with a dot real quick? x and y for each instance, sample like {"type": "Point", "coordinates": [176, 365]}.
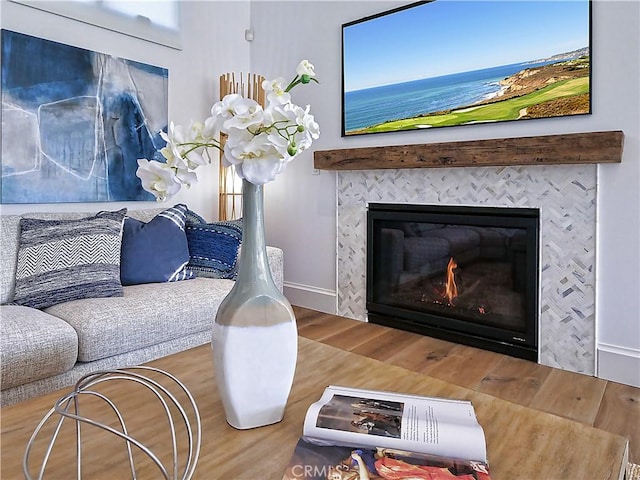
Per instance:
{"type": "Point", "coordinates": [48, 349]}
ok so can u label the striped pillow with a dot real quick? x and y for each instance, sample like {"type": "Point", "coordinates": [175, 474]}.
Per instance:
{"type": "Point", "coordinates": [213, 247]}
{"type": "Point", "coordinates": [64, 260]}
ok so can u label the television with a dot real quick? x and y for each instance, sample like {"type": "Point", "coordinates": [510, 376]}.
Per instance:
{"type": "Point", "coordinates": [443, 63]}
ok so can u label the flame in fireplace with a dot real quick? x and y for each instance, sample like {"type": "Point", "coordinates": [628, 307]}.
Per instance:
{"type": "Point", "coordinates": [451, 290]}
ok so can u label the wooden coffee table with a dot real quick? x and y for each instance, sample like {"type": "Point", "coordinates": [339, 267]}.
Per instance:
{"type": "Point", "coordinates": [522, 443]}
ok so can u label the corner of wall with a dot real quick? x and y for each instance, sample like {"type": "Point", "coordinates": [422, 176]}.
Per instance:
{"type": "Point", "coordinates": [618, 364]}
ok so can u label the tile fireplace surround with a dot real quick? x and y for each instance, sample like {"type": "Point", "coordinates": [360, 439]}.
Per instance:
{"type": "Point", "coordinates": [566, 197]}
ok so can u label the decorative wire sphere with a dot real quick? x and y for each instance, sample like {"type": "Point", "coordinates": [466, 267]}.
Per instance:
{"type": "Point", "coordinates": [68, 408]}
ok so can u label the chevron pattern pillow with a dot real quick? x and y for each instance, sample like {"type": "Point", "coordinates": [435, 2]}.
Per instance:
{"type": "Point", "coordinates": [64, 260]}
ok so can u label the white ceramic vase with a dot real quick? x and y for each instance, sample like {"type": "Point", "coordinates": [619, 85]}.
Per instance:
{"type": "Point", "coordinates": [255, 338]}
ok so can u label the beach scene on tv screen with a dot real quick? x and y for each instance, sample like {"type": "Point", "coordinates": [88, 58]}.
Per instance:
{"type": "Point", "coordinates": [452, 62]}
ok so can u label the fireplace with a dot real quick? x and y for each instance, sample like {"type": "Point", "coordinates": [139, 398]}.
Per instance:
{"type": "Point", "coordinates": [463, 274]}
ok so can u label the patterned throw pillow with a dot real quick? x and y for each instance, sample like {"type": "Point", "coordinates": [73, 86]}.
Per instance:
{"type": "Point", "coordinates": [213, 247]}
{"type": "Point", "coordinates": [64, 260]}
{"type": "Point", "coordinates": [156, 251]}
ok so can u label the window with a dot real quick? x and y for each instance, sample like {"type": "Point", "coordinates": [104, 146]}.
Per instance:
{"type": "Point", "coordinates": [156, 21]}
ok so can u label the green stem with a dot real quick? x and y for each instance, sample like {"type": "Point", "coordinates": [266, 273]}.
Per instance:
{"type": "Point", "coordinates": [277, 129]}
{"type": "Point", "coordinates": [197, 145]}
{"type": "Point", "coordinates": [294, 82]}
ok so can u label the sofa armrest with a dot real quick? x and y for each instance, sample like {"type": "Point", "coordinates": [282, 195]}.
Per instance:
{"type": "Point", "coordinates": [275, 257]}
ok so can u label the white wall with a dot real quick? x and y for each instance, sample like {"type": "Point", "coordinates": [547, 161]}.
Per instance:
{"type": "Point", "coordinates": [300, 206]}
{"type": "Point", "coordinates": [617, 105]}
{"type": "Point", "coordinates": [211, 45]}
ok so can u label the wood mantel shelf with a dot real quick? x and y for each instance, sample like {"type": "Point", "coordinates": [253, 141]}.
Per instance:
{"type": "Point", "coordinates": [571, 148]}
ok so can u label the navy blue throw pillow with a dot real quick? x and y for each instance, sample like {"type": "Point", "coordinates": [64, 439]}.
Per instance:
{"type": "Point", "coordinates": [156, 251]}
{"type": "Point", "coordinates": [213, 247]}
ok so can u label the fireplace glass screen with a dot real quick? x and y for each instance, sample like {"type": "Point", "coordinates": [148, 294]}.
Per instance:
{"type": "Point", "coordinates": [462, 273]}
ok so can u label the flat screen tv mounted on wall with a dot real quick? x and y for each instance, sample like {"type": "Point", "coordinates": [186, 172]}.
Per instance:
{"type": "Point", "coordinates": [453, 62]}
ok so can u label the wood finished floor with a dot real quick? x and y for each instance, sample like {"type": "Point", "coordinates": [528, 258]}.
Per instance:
{"type": "Point", "coordinates": [603, 404]}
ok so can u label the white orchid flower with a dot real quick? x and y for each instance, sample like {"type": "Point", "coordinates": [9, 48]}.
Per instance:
{"type": "Point", "coordinates": [280, 116]}
{"type": "Point", "coordinates": [187, 149]}
{"type": "Point", "coordinates": [174, 149]}
{"type": "Point", "coordinates": [172, 160]}
{"type": "Point", "coordinates": [247, 115]}
{"type": "Point", "coordinates": [236, 138]}
{"type": "Point", "coordinates": [211, 130]}
{"type": "Point", "coordinates": [304, 74]}
{"type": "Point", "coordinates": [186, 177]}
{"type": "Point", "coordinates": [282, 135]}
{"type": "Point", "coordinates": [195, 132]}
{"type": "Point", "coordinates": [224, 108]}
{"type": "Point", "coordinates": [310, 129]}
{"type": "Point", "coordinates": [257, 160]}
{"type": "Point", "coordinates": [259, 141]}
{"type": "Point", "coordinates": [193, 148]}
{"type": "Point", "coordinates": [281, 144]}
{"type": "Point", "coordinates": [232, 106]}
{"type": "Point", "coordinates": [157, 178]}
{"type": "Point", "coordinates": [275, 91]}
{"type": "Point", "coordinates": [196, 157]}
{"type": "Point", "coordinates": [305, 68]}
{"type": "Point", "coordinates": [258, 170]}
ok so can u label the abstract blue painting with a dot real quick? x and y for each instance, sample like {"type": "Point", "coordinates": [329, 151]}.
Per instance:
{"type": "Point", "coordinates": [75, 122]}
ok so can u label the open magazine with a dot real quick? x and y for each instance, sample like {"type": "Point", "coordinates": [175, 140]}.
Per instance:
{"type": "Point", "coordinates": [354, 434]}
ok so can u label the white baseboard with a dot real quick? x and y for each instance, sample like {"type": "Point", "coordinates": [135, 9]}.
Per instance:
{"type": "Point", "coordinates": [314, 298]}
{"type": "Point", "coordinates": [619, 364]}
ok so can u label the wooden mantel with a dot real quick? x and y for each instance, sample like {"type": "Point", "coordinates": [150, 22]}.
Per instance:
{"type": "Point", "coordinates": [571, 148]}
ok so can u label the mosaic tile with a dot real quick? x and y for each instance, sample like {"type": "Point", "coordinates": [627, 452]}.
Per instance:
{"type": "Point", "coordinates": [566, 197]}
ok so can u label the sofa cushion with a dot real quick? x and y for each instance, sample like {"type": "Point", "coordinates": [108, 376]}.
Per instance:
{"type": "Point", "coordinates": [62, 260]}
{"type": "Point", "coordinates": [155, 251]}
{"type": "Point", "coordinates": [146, 315]}
{"type": "Point", "coordinates": [34, 345]}
{"type": "Point", "coordinates": [213, 247]}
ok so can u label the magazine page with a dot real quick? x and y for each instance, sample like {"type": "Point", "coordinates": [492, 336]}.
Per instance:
{"type": "Point", "coordinates": [311, 461]}
{"type": "Point", "coordinates": [438, 426]}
